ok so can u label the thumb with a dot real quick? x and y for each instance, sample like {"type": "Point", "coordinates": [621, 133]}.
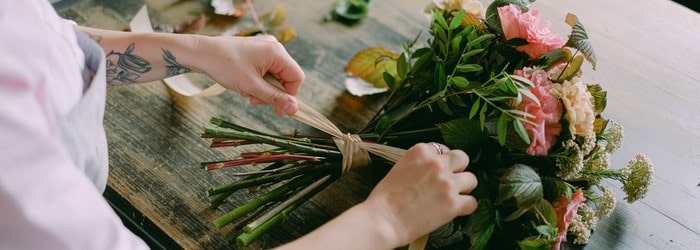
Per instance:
{"type": "Point", "coordinates": [281, 101]}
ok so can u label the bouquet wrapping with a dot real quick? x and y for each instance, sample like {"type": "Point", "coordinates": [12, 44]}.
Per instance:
{"type": "Point", "coordinates": [495, 82]}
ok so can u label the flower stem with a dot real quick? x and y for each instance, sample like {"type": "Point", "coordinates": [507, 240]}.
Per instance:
{"type": "Point", "coordinates": [262, 159]}
{"type": "Point", "coordinates": [253, 232]}
{"type": "Point", "coordinates": [265, 139]}
{"type": "Point", "coordinates": [263, 199]}
{"type": "Point", "coordinates": [294, 199]}
{"type": "Point", "coordinates": [265, 179]}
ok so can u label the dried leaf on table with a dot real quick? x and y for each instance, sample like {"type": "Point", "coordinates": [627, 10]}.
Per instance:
{"type": "Point", "coordinates": [371, 63]}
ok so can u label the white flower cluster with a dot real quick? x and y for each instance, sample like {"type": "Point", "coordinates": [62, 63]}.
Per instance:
{"type": "Point", "coordinates": [583, 224]}
{"type": "Point", "coordinates": [639, 173]}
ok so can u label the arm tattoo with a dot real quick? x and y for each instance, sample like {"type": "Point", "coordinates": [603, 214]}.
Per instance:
{"type": "Point", "coordinates": [173, 68]}
{"type": "Point", "coordinates": [95, 38]}
{"type": "Point", "coordinates": [125, 66]}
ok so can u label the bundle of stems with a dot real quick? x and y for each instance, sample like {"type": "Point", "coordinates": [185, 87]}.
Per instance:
{"type": "Point", "coordinates": [295, 169]}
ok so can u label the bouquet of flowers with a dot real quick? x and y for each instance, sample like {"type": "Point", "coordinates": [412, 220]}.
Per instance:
{"type": "Point", "coordinates": [497, 83]}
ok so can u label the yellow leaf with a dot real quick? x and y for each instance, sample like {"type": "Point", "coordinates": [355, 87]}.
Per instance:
{"type": "Point", "coordinates": [371, 63]}
{"type": "Point", "coordinates": [275, 17]}
{"type": "Point", "coordinates": [285, 34]}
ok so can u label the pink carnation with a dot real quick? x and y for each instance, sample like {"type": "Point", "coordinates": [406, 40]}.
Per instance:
{"type": "Point", "coordinates": [566, 210]}
{"type": "Point", "coordinates": [543, 133]}
{"type": "Point", "coordinates": [530, 27]}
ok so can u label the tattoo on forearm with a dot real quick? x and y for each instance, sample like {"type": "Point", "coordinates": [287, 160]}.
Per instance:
{"type": "Point", "coordinates": [95, 38]}
{"type": "Point", "coordinates": [173, 68]}
{"type": "Point", "coordinates": [126, 66]}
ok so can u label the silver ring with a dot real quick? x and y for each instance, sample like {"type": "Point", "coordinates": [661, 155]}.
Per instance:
{"type": "Point", "coordinates": [437, 147]}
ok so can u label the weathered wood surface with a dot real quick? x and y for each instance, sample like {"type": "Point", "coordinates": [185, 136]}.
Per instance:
{"type": "Point", "coordinates": [649, 63]}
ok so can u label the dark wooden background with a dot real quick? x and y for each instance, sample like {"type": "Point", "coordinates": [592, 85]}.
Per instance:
{"type": "Point", "coordinates": [649, 63]}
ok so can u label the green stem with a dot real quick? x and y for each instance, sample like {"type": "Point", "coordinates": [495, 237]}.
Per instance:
{"type": "Point", "coordinates": [296, 197]}
{"type": "Point", "coordinates": [248, 236]}
{"type": "Point", "coordinates": [263, 199]}
{"type": "Point", "coordinates": [265, 179]}
{"type": "Point", "coordinates": [260, 138]}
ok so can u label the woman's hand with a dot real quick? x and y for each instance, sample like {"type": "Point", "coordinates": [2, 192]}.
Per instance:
{"type": "Point", "coordinates": [240, 63]}
{"type": "Point", "coordinates": [423, 191]}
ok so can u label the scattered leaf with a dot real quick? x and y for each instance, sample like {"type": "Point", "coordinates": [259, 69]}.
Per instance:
{"type": "Point", "coordinates": [371, 63]}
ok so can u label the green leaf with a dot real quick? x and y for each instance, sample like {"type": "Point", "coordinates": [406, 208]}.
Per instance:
{"type": "Point", "coordinates": [482, 115]}
{"type": "Point", "coordinates": [402, 66]}
{"type": "Point", "coordinates": [554, 57]}
{"type": "Point", "coordinates": [529, 94]}
{"type": "Point", "coordinates": [444, 107]}
{"type": "Point", "coordinates": [470, 53]}
{"type": "Point", "coordinates": [465, 68]}
{"type": "Point", "coordinates": [455, 44]}
{"type": "Point", "coordinates": [579, 39]}
{"type": "Point", "coordinates": [476, 43]}
{"type": "Point", "coordinates": [457, 101]}
{"type": "Point", "coordinates": [463, 134]}
{"type": "Point", "coordinates": [599, 125]}
{"type": "Point", "coordinates": [600, 100]}
{"type": "Point", "coordinates": [440, 19]}
{"type": "Point", "coordinates": [440, 75]}
{"type": "Point", "coordinates": [459, 82]}
{"type": "Point", "coordinates": [388, 118]}
{"type": "Point", "coordinates": [571, 70]}
{"type": "Point", "coordinates": [457, 20]}
{"type": "Point", "coordinates": [418, 65]}
{"type": "Point", "coordinates": [420, 52]}
{"type": "Point", "coordinates": [389, 80]}
{"type": "Point", "coordinates": [475, 108]}
{"type": "Point", "coordinates": [520, 129]}
{"type": "Point", "coordinates": [534, 244]}
{"type": "Point", "coordinates": [502, 129]}
{"type": "Point", "coordinates": [482, 224]}
{"type": "Point", "coordinates": [520, 184]}
{"type": "Point", "coordinates": [440, 33]}
{"type": "Point", "coordinates": [547, 213]}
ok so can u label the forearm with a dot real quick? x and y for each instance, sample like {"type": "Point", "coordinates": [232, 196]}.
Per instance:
{"type": "Point", "coordinates": [357, 228]}
{"type": "Point", "coordinates": [143, 57]}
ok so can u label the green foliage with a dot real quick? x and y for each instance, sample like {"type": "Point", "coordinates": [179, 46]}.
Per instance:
{"type": "Point", "coordinates": [600, 100]}
{"type": "Point", "coordinates": [520, 185]}
{"type": "Point", "coordinates": [482, 224]}
{"type": "Point", "coordinates": [463, 134]}
{"type": "Point", "coordinates": [579, 39]}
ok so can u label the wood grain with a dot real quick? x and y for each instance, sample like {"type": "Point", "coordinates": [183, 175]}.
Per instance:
{"type": "Point", "coordinates": [649, 63]}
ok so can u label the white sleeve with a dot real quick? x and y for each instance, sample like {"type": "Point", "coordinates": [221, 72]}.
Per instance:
{"type": "Point", "coordinates": [45, 201]}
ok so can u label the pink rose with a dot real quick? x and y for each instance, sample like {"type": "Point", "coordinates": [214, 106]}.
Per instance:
{"type": "Point", "coordinates": [543, 133]}
{"type": "Point", "coordinates": [566, 210]}
{"type": "Point", "coordinates": [530, 27]}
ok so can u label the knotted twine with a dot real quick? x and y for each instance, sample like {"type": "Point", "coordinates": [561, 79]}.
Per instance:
{"type": "Point", "coordinates": [355, 151]}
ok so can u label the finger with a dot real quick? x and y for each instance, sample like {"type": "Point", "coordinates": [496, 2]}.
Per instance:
{"type": "Point", "coordinates": [288, 72]}
{"type": "Point", "coordinates": [468, 205]}
{"type": "Point", "coordinates": [282, 102]}
{"type": "Point", "coordinates": [466, 182]}
{"type": "Point", "coordinates": [458, 160]}
{"type": "Point", "coordinates": [255, 101]}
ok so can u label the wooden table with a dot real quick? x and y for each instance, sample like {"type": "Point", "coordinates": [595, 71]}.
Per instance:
{"type": "Point", "coordinates": [649, 63]}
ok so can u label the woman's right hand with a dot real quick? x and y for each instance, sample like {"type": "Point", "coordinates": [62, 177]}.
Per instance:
{"type": "Point", "coordinates": [424, 190]}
